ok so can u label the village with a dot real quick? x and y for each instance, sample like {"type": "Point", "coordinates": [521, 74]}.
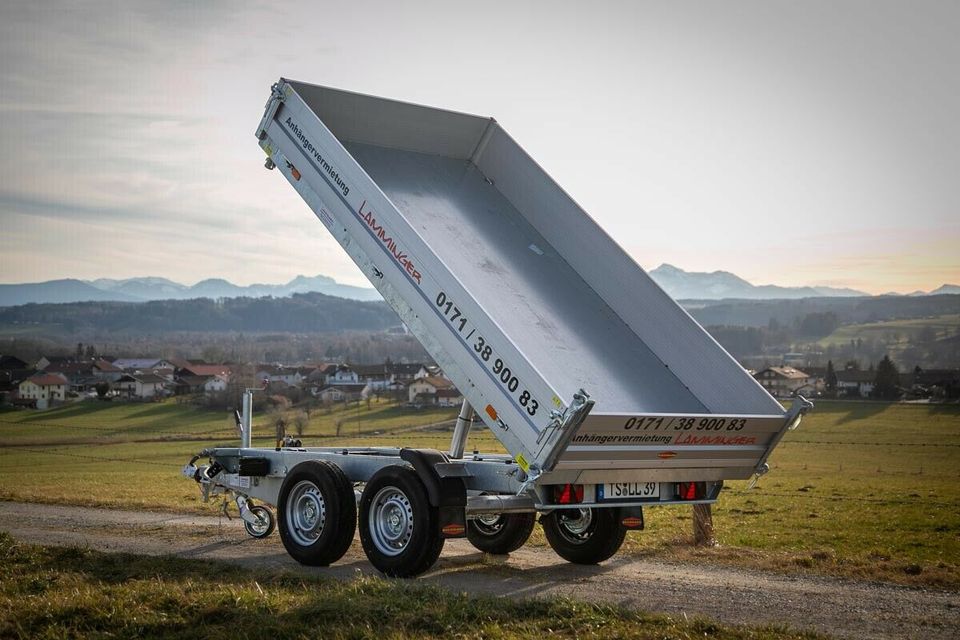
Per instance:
{"type": "Point", "coordinates": [55, 380]}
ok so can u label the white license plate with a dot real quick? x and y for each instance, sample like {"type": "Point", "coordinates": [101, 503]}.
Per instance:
{"type": "Point", "coordinates": [621, 491]}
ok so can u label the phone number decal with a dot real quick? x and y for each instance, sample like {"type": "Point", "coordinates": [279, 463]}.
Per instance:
{"type": "Point", "coordinates": [485, 351]}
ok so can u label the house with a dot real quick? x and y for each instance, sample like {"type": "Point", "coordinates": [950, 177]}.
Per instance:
{"type": "Point", "coordinates": [106, 371]}
{"type": "Point", "coordinates": [270, 373]}
{"type": "Point", "coordinates": [343, 392]}
{"type": "Point", "coordinates": [342, 374]}
{"type": "Point", "coordinates": [783, 382]}
{"type": "Point", "coordinates": [855, 383]}
{"type": "Point", "coordinates": [933, 383]}
{"type": "Point", "coordinates": [427, 391]}
{"type": "Point", "coordinates": [449, 397]}
{"type": "Point", "coordinates": [45, 361]}
{"type": "Point", "coordinates": [216, 384]}
{"type": "Point", "coordinates": [12, 363]}
{"type": "Point", "coordinates": [79, 374]}
{"type": "Point", "coordinates": [377, 373]}
{"type": "Point", "coordinates": [44, 389]}
{"type": "Point", "coordinates": [142, 364]}
{"type": "Point", "coordinates": [142, 386]}
{"type": "Point", "coordinates": [10, 380]}
{"type": "Point", "coordinates": [412, 371]}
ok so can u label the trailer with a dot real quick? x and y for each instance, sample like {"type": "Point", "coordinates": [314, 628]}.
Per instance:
{"type": "Point", "coordinates": [606, 394]}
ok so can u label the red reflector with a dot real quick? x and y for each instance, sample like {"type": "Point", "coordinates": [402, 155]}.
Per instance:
{"type": "Point", "coordinates": [632, 522]}
{"type": "Point", "coordinates": [691, 490]}
{"type": "Point", "coordinates": [453, 530]}
{"type": "Point", "coordinates": [568, 493]}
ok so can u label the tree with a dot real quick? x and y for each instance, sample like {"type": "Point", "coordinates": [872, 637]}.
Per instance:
{"type": "Point", "coordinates": [300, 421]}
{"type": "Point", "coordinates": [886, 385]}
{"type": "Point", "coordinates": [831, 379]}
{"type": "Point", "coordinates": [102, 389]}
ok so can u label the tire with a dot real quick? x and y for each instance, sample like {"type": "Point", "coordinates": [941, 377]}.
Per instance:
{"type": "Point", "coordinates": [267, 523]}
{"type": "Point", "coordinates": [584, 536]}
{"type": "Point", "coordinates": [501, 533]}
{"type": "Point", "coordinates": [399, 530]}
{"type": "Point", "coordinates": [317, 513]}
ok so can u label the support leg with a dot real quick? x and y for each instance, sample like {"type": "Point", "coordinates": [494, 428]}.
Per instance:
{"type": "Point", "coordinates": [461, 431]}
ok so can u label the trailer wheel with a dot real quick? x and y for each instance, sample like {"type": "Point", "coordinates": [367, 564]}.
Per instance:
{"type": "Point", "coordinates": [584, 536]}
{"type": "Point", "coordinates": [318, 514]}
{"type": "Point", "coordinates": [267, 523]}
{"type": "Point", "coordinates": [500, 533]}
{"type": "Point", "coordinates": [399, 530]}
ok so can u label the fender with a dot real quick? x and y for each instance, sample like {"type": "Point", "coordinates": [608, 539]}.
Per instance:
{"type": "Point", "coordinates": [445, 488]}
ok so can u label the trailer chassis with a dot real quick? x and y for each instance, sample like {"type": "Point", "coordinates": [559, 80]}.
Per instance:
{"type": "Point", "coordinates": [486, 497]}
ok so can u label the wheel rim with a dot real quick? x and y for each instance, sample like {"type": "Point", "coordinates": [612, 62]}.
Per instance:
{"type": "Point", "coordinates": [306, 513]}
{"type": "Point", "coordinates": [576, 526]}
{"type": "Point", "coordinates": [489, 524]}
{"type": "Point", "coordinates": [262, 524]}
{"type": "Point", "coordinates": [391, 521]}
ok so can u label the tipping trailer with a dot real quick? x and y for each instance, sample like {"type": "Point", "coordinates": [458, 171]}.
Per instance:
{"type": "Point", "coordinates": [606, 394]}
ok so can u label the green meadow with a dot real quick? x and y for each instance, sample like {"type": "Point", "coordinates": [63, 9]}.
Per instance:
{"type": "Point", "coordinates": [861, 488]}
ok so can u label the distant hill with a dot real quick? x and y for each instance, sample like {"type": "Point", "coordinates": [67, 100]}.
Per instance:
{"type": "Point", "coordinates": [760, 313]}
{"type": "Point", "coordinates": [689, 285]}
{"type": "Point", "coordinates": [680, 284]}
{"type": "Point", "coordinates": [945, 289]}
{"type": "Point", "coordinates": [298, 313]}
{"type": "Point", "coordinates": [153, 288]}
{"type": "Point", "coordinates": [56, 291]}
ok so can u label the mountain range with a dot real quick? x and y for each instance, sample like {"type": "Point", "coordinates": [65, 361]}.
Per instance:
{"type": "Point", "coordinates": [719, 285]}
{"type": "Point", "coordinates": [153, 288]}
{"type": "Point", "coordinates": [680, 284]}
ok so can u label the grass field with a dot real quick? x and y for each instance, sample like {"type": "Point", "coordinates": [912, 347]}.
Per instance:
{"type": "Point", "coordinates": [866, 489]}
{"type": "Point", "coordinates": [48, 592]}
{"type": "Point", "coordinates": [894, 332]}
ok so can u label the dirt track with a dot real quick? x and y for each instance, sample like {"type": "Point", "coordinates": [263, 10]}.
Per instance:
{"type": "Point", "coordinates": [837, 607]}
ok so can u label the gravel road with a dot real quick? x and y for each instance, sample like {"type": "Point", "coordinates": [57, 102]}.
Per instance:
{"type": "Point", "coordinates": [836, 607]}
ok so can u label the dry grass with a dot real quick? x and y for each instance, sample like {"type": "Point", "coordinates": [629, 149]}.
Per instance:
{"type": "Point", "coordinates": [48, 592]}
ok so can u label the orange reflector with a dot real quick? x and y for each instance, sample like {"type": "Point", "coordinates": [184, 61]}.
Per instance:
{"type": "Point", "coordinates": [491, 411]}
{"type": "Point", "coordinates": [632, 522]}
{"type": "Point", "coordinates": [666, 455]}
{"type": "Point", "coordinates": [294, 173]}
{"type": "Point", "coordinates": [453, 530]}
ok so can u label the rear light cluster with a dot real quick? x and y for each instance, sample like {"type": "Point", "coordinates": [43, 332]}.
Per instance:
{"type": "Point", "coordinates": [691, 490]}
{"type": "Point", "coordinates": [568, 493]}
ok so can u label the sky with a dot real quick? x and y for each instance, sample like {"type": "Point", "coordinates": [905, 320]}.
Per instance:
{"type": "Point", "coordinates": [792, 143]}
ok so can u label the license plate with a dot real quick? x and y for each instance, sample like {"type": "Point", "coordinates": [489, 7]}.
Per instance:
{"type": "Point", "coordinates": [625, 491]}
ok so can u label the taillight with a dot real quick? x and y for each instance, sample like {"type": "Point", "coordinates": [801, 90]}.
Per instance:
{"type": "Point", "coordinates": [568, 493]}
{"type": "Point", "coordinates": [691, 490]}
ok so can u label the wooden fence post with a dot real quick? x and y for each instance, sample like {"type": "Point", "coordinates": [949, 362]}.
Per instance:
{"type": "Point", "coordinates": [703, 526]}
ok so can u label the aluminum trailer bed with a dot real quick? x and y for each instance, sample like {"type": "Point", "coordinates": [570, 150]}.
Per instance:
{"type": "Point", "coordinates": [593, 378]}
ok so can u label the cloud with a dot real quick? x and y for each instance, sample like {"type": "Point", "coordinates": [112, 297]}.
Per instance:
{"type": "Point", "coordinates": [768, 141]}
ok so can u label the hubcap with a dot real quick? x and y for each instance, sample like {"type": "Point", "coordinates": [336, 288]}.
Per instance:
{"type": "Point", "coordinates": [306, 513]}
{"type": "Point", "coordinates": [262, 524]}
{"type": "Point", "coordinates": [489, 523]}
{"type": "Point", "coordinates": [575, 525]}
{"type": "Point", "coordinates": [391, 521]}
